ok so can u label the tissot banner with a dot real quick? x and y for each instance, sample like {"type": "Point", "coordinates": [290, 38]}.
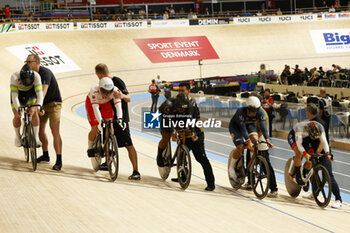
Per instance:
{"type": "Point", "coordinates": [174, 49]}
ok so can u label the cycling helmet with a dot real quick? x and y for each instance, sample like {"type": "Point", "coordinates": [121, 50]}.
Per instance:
{"type": "Point", "coordinates": [181, 102]}
{"type": "Point", "coordinates": [26, 76]}
{"type": "Point", "coordinates": [106, 86]}
{"type": "Point", "coordinates": [312, 130]}
{"type": "Point", "coordinates": [253, 103]}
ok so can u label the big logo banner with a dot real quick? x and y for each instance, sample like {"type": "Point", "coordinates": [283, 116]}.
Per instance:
{"type": "Point", "coordinates": [331, 41]}
{"type": "Point", "coordinates": [174, 49]}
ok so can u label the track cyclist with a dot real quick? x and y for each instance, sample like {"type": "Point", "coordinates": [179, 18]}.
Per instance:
{"type": "Point", "coordinates": [244, 132]}
{"type": "Point", "coordinates": [98, 107]}
{"type": "Point", "coordinates": [26, 89]}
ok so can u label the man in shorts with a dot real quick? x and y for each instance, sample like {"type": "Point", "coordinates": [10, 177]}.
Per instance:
{"type": "Point", "coordinates": [52, 106]}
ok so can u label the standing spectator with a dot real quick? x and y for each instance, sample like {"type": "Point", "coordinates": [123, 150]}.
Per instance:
{"type": "Point", "coordinates": [7, 12]}
{"type": "Point", "coordinates": [306, 75]}
{"type": "Point", "coordinates": [158, 79]}
{"type": "Point", "coordinates": [325, 109]}
{"type": "Point", "coordinates": [267, 103]}
{"type": "Point", "coordinates": [154, 90]}
{"type": "Point", "coordinates": [284, 76]}
{"type": "Point", "coordinates": [262, 73]}
{"type": "Point", "coordinates": [311, 113]}
{"type": "Point", "coordinates": [123, 136]}
{"type": "Point", "coordinates": [52, 106]}
{"type": "Point", "coordinates": [298, 75]}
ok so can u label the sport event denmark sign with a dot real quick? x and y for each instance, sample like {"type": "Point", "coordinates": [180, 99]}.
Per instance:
{"type": "Point", "coordinates": [174, 49]}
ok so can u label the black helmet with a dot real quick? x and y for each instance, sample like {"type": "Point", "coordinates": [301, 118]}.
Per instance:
{"type": "Point", "coordinates": [27, 75]}
{"type": "Point", "coordinates": [181, 102]}
{"type": "Point", "coordinates": [313, 130]}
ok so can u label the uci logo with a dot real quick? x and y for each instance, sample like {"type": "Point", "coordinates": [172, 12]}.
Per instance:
{"type": "Point", "coordinates": [336, 39]}
{"type": "Point", "coordinates": [151, 120]}
{"type": "Point", "coordinates": [244, 20]}
{"type": "Point", "coordinates": [265, 19]}
{"type": "Point", "coordinates": [285, 18]}
{"type": "Point", "coordinates": [307, 17]}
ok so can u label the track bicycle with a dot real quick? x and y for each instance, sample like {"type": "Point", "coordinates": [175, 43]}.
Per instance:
{"type": "Point", "coordinates": [318, 176]}
{"type": "Point", "coordinates": [27, 136]}
{"type": "Point", "coordinates": [105, 145]}
{"type": "Point", "coordinates": [257, 171]}
{"type": "Point", "coordinates": [182, 157]}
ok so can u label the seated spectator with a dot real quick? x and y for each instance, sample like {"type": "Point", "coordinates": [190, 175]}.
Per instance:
{"type": "Point", "coordinates": [306, 75]}
{"type": "Point", "coordinates": [7, 13]}
{"type": "Point", "coordinates": [336, 68]}
{"type": "Point", "coordinates": [279, 12]}
{"type": "Point", "coordinates": [321, 71]}
{"type": "Point", "coordinates": [313, 77]}
{"type": "Point", "coordinates": [172, 13]}
{"type": "Point", "coordinates": [259, 13]}
{"type": "Point", "coordinates": [206, 12]}
{"type": "Point", "coordinates": [165, 15]}
{"type": "Point", "coordinates": [331, 9]}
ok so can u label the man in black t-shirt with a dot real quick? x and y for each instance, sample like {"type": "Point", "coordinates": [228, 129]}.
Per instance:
{"type": "Point", "coordinates": [52, 106]}
{"type": "Point", "coordinates": [123, 136]}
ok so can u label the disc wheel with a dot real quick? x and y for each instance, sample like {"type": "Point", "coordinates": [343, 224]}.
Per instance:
{"type": "Point", "coordinates": [184, 166]}
{"type": "Point", "coordinates": [96, 161]}
{"type": "Point", "coordinates": [293, 188]}
{"type": "Point", "coordinates": [165, 170]}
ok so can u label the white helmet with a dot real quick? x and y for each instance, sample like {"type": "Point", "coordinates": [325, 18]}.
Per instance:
{"type": "Point", "coordinates": [106, 86]}
{"type": "Point", "coordinates": [253, 103]}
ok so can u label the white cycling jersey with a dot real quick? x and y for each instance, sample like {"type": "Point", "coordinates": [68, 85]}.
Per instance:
{"type": "Point", "coordinates": [301, 133]}
{"type": "Point", "coordinates": [96, 99]}
{"type": "Point", "coordinates": [16, 85]}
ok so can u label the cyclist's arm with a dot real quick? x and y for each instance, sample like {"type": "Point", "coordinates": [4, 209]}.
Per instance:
{"type": "Point", "coordinates": [263, 123]}
{"type": "Point", "coordinates": [95, 107]}
{"type": "Point", "coordinates": [299, 141]}
{"type": "Point", "coordinates": [38, 89]}
{"type": "Point", "coordinates": [14, 93]}
{"type": "Point", "coordinates": [324, 143]}
{"type": "Point", "coordinates": [118, 107]}
{"type": "Point", "coordinates": [238, 119]}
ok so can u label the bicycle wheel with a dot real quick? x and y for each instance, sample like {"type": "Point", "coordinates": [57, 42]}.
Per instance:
{"type": "Point", "coordinates": [32, 144]}
{"type": "Point", "coordinates": [25, 144]}
{"type": "Point", "coordinates": [292, 188]}
{"type": "Point", "coordinates": [112, 157]}
{"type": "Point", "coordinates": [165, 171]}
{"type": "Point", "coordinates": [260, 177]}
{"type": "Point", "coordinates": [184, 166]}
{"type": "Point", "coordinates": [240, 171]}
{"type": "Point", "coordinates": [96, 161]}
{"type": "Point", "coordinates": [321, 186]}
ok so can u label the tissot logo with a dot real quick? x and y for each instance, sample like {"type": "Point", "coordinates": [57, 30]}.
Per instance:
{"type": "Point", "coordinates": [28, 26]}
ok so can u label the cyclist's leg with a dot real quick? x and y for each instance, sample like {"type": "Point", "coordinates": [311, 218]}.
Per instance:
{"type": "Point", "coordinates": [163, 143]}
{"type": "Point", "coordinates": [297, 156]}
{"type": "Point", "coordinates": [16, 121]}
{"type": "Point", "coordinates": [92, 121]}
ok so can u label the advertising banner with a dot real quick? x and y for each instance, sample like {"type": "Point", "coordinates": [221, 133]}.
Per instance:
{"type": "Point", "coordinates": [50, 56]}
{"type": "Point", "coordinates": [331, 41]}
{"type": "Point", "coordinates": [174, 49]}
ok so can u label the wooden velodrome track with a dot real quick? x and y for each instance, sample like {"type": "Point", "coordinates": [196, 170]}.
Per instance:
{"type": "Point", "coordinates": [78, 200]}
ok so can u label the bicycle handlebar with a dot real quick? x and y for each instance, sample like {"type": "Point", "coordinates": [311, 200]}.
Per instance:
{"type": "Point", "coordinates": [29, 106]}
